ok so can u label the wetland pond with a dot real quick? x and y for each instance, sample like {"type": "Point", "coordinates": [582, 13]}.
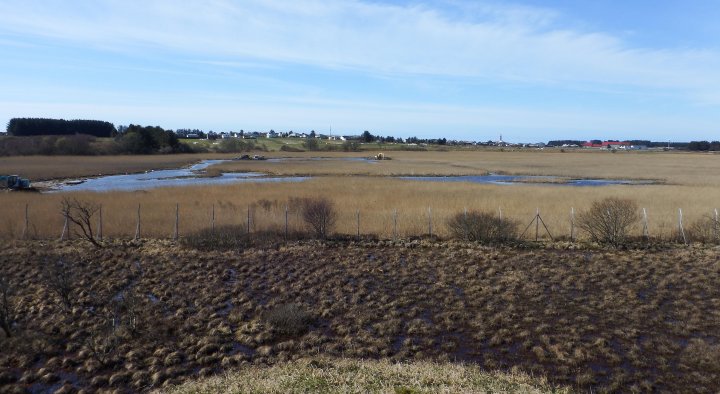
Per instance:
{"type": "Point", "coordinates": [196, 175]}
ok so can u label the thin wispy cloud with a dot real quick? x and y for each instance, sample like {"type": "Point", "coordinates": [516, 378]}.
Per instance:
{"type": "Point", "coordinates": [455, 43]}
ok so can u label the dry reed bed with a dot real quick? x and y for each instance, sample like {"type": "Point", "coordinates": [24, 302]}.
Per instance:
{"type": "Point", "coordinates": [671, 167]}
{"type": "Point", "coordinates": [375, 198]}
{"type": "Point", "coordinates": [641, 320]}
{"type": "Point", "coordinates": [43, 168]}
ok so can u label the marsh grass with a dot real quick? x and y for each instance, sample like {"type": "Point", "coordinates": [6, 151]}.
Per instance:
{"type": "Point", "coordinates": [366, 376]}
{"type": "Point", "coordinates": [417, 204]}
{"type": "Point", "coordinates": [42, 168]}
{"type": "Point", "coordinates": [592, 319]}
{"type": "Point", "coordinates": [680, 168]}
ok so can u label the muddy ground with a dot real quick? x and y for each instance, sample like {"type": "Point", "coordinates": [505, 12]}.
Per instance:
{"type": "Point", "coordinates": [145, 314]}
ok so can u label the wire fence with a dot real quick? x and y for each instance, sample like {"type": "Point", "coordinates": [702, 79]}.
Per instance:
{"type": "Point", "coordinates": [173, 221]}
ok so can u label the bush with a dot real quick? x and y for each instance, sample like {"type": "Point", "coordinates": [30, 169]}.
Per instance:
{"type": "Point", "coordinates": [311, 144]}
{"type": "Point", "coordinates": [59, 278]}
{"type": "Point", "coordinates": [289, 319]}
{"type": "Point", "coordinates": [704, 230]}
{"type": "Point", "coordinates": [609, 220]}
{"type": "Point", "coordinates": [319, 215]}
{"type": "Point", "coordinates": [482, 226]}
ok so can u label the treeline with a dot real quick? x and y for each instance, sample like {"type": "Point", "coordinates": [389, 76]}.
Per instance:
{"type": "Point", "coordinates": [704, 146]}
{"type": "Point", "coordinates": [134, 139]}
{"type": "Point", "coordinates": [565, 142]}
{"type": "Point", "coordinates": [137, 139]}
{"type": "Point", "coordinates": [23, 127]}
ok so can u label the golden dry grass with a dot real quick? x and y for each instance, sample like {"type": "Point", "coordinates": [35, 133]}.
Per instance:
{"type": "Point", "coordinates": [692, 183]}
{"type": "Point", "coordinates": [670, 167]}
{"type": "Point", "coordinates": [367, 376]}
{"type": "Point", "coordinates": [39, 168]}
{"type": "Point", "coordinates": [375, 198]}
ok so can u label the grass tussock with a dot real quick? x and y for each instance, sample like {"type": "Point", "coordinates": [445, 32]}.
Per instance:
{"type": "Point", "coordinates": [366, 376]}
{"type": "Point", "coordinates": [147, 314]}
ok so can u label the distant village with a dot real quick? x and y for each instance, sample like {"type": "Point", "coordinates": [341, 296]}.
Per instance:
{"type": "Point", "coordinates": [366, 137]}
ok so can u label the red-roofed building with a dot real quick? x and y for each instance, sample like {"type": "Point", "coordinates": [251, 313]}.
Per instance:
{"type": "Point", "coordinates": [608, 145]}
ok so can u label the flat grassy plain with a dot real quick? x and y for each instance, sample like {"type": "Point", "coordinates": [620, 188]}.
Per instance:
{"type": "Point", "coordinates": [690, 181]}
{"type": "Point", "coordinates": [590, 320]}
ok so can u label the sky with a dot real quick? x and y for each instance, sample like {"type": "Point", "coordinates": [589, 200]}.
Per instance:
{"type": "Point", "coordinates": [531, 70]}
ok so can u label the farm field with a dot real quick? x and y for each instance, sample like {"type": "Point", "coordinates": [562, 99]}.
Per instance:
{"type": "Point", "coordinates": [590, 320]}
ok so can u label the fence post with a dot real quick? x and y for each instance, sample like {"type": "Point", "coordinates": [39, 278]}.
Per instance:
{"type": "Point", "coordinates": [430, 221]}
{"type": "Point", "coordinates": [177, 222]}
{"type": "Point", "coordinates": [212, 220]}
{"type": "Point", "coordinates": [100, 224]}
{"type": "Point", "coordinates": [286, 222]}
{"type": "Point", "coordinates": [537, 223]}
{"type": "Point", "coordinates": [646, 232]}
{"type": "Point", "coordinates": [715, 227]}
{"type": "Point", "coordinates": [572, 224]}
{"type": "Point", "coordinates": [357, 214]}
{"type": "Point", "coordinates": [137, 229]}
{"type": "Point", "coordinates": [66, 229]}
{"type": "Point", "coordinates": [500, 211]}
{"type": "Point", "coordinates": [680, 225]}
{"type": "Point", "coordinates": [395, 217]}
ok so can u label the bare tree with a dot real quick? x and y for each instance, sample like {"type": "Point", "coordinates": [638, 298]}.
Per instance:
{"type": "Point", "coordinates": [59, 279]}
{"type": "Point", "coordinates": [320, 215]}
{"type": "Point", "coordinates": [81, 213]}
{"type": "Point", "coordinates": [7, 307]}
{"type": "Point", "coordinates": [608, 220]}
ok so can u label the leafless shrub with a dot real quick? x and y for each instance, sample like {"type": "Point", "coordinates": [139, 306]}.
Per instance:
{"type": "Point", "coordinates": [482, 226]}
{"type": "Point", "coordinates": [81, 214]}
{"type": "Point", "coordinates": [59, 279]}
{"type": "Point", "coordinates": [7, 306]}
{"type": "Point", "coordinates": [319, 215]}
{"type": "Point", "coordinates": [127, 312]}
{"type": "Point", "coordinates": [609, 220]}
{"type": "Point", "coordinates": [705, 230]}
{"type": "Point", "coordinates": [102, 343]}
{"type": "Point", "coordinates": [289, 319]}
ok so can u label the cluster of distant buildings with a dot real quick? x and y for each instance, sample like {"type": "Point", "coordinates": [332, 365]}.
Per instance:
{"type": "Point", "coordinates": [623, 145]}
{"type": "Point", "coordinates": [197, 134]}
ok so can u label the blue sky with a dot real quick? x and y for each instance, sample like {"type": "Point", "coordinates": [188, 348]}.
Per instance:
{"type": "Point", "coordinates": [532, 70]}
